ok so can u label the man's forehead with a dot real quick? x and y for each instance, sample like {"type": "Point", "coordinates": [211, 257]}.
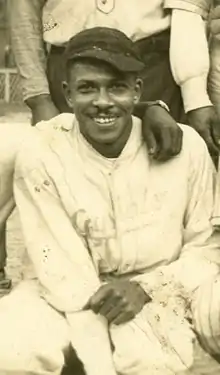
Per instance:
{"type": "Point", "coordinates": [95, 70]}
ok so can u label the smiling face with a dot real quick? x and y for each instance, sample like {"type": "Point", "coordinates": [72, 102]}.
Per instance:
{"type": "Point", "coordinates": [102, 99]}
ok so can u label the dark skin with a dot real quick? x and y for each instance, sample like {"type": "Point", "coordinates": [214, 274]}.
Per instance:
{"type": "Point", "coordinates": [211, 132]}
{"type": "Point", "coordinates": [98, 93]}
{"type": "Point", "coordinates": [42, 108]}
{"type": "Point", "coordinates": [118, 301]}
{"type": "Point", "coordinates": [161, 133]}
{"type": "Point", "coordinates": [214, 20]}
{"type": "Point", "coordinates": [103, 100]}
{"type": "Point", "coordinates": [214, 128]}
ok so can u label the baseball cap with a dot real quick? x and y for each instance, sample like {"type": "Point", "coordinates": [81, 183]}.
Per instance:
{"type": "Point", "coordinates": [105, 44]}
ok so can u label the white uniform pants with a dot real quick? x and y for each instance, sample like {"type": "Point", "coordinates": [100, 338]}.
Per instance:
{"type": "Point", "coordinates": [33, 338]}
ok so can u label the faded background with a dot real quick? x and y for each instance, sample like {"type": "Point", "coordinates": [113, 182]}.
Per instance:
{"type": "Point", "coordinates": [11, 114]}
{"type": "Point", "coordinates": [12, 111]}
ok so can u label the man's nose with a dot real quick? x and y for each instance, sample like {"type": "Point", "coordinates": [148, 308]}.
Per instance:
{"type": "Point", "coordinates": [103, 99]}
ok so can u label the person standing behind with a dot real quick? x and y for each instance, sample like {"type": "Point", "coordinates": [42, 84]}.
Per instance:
{"type": "Point", "coordinates": [160, 28]}
{"type": "Point", "coordinates": [214, 89]}
{"type": "Point", "coordinates": [214, 77]}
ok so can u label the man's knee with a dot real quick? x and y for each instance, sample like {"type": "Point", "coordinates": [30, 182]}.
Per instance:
{"type": "Point", "coordinates": [27, 355]}
{"type": "Point", "coordinates": [33, 336]}
{"type": "Point", "coordinates": [14, 360]}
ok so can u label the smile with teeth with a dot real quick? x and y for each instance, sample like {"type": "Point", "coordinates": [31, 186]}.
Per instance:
{"type": "Point", "coordinates": [105, 120]}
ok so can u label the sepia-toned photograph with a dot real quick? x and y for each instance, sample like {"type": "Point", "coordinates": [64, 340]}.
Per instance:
{"type": "Point", "coordinates": [109, 187]}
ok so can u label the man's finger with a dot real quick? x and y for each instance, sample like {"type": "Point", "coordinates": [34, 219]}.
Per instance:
{"type": "Point", "coordinates": [97, 300]}
{"type": "Point", "coordinates": [111, 302]}
{"type": "Point", "coordinates": [150, 142]}
{"type": "Point", "coordinates": [213, 149]}
{"type": "Point", "coordinates": [113, 312]}
{"type": "Point", "coordinates": [87, 306]}
{"type": "Point", "coordinates": [215, 134]}
{"type": "Point", "coordinates": [178, 142]}
{"type": "Point", "coordinates": [124, 317]}
{"type": "Point", "coordinates": [165, 145]}
{"type": "Point", "coordinates": [169, 143]}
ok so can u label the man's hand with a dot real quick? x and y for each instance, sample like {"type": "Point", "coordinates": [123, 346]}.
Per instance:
{"type": "Point", "coordinates": [161, 133]}
{"type": "Point", "coordinates": [42, 108]}
{"type": "Point", "coordinates": [206, 123]}
{"type": "Point", "coordinates": [118, 301]}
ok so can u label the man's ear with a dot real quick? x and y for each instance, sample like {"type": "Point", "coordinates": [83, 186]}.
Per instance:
{"type": "Point", "coordinates": [67, 95]}
{"type": "Point", "coordinates": [138, 90]}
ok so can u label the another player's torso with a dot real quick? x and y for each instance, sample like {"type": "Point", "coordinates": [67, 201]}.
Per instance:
{"type": "Point", "coordinates": [136, 18]}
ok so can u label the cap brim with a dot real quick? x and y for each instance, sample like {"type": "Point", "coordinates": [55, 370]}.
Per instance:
{"type": "Point", "coordinates": [119, 61]}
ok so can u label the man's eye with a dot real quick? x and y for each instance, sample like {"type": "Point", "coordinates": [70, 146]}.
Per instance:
{"type": "Point", "coordinates": [86, 89]}
{"type": "Point", "coordinates": [119, 86]}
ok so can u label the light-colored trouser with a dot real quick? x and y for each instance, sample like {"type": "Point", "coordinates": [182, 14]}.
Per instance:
{"type": "Point", "coordinates": [33, 336]}
{"type": "Point", "coordinates": [7, 202]}
{"type": "Point", "coordinates": [12, 135]}
{"type": "Point", "coordinates": [8, 210]}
